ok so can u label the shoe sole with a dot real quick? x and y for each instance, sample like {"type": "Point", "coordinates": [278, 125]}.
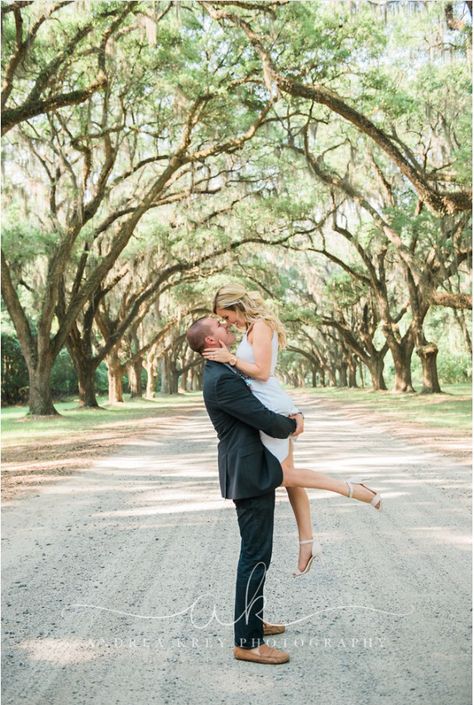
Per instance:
{"type": "Point", "coordinates": [273, 633]}
{"type": "Point", "coordinates": [266, 662]}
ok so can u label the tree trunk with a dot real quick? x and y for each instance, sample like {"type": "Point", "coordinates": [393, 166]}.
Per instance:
{"type": "Point", "coordinates": [165, 377]}
{"type": "Point", "coordinates": [36, 349]}
{"type": "Point", "coordinates": [134, 372]}
{"type": "Point", "coordinates": [86, 383]}
{"type": "Point", "coordinates": [376, 367]}
{"type": "Point", "coordinates": [40, 398]}
{"type": "Point", "coordinates": [200, 377]}
{"type": "Point", "coordinates": [461, 319]}
{"type": "Point", "coordinates": [196, 378]}
{"type": "Point", "coordinates": [402, 360]}
{"type": "Point", "coordinates": [151, 377]}
{"type": "Point", "coordinates": [174, 381]}
{"type": "Point", "coordinates": [342, 375]}
{"type": "Point", "coordinates": [115, 373]}
{"type": "Point", "coordinates": [428, 353]}
{"type": "Point", "coordinates": [332, 377]}
{"type": "Point", "coordinates": [85, 368]}
{"type": "Point", "coordinates": [362, 374]}
{"type": "Point", "coordinates": [352, 369]}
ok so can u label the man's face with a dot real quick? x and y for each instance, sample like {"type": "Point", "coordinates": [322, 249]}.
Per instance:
{"type": "Point", "coordinates": [218, 331]}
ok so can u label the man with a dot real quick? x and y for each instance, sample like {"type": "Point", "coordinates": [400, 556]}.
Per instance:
{"type": "Point", "coordinates": [248, 474]}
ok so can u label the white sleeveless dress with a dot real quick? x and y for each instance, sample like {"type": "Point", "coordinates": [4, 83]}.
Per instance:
{"type": "Point", "coordinates": [271, 394]}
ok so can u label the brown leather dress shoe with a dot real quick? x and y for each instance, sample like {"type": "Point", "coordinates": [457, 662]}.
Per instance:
{"type": "Point", "coordinates": [262, 654]}
{"type": "Point", "coordinates": [272, 629]}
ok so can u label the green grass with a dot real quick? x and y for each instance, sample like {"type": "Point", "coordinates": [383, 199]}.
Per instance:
{"type": "Point", "coordinates": [451, 410]}
{"type": "Point", "coordinates": [17, 427]}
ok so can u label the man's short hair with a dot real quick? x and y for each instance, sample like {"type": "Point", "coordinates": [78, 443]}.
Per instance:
{"type": "Point", "coordinates": [197, 333]}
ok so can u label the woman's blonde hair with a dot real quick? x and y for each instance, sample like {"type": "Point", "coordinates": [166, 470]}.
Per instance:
{"type": "Point", "coordinates": [250, 303]}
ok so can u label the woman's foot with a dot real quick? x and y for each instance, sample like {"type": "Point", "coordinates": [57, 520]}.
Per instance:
{"type": "Point", "coordinates": [357, 490]}
{"type": "Point", "coordinates": [309, 550]}
{"type": "Point", "coordinates": [305, 554]}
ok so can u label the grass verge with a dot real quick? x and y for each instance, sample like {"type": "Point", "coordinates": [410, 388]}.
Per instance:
{"type": "Point", "coordinates": [451, 410]}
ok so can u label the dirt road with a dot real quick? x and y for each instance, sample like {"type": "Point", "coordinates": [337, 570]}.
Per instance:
{"type": "Point", "coordinates": [118, 582]}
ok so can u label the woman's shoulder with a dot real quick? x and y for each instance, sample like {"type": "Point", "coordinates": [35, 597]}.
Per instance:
{"type": "Point", "coordinates": [261, 330]}
{"type": "Point", "coordinates": [260, 325]}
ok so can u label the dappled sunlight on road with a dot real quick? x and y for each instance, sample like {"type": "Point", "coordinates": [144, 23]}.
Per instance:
{"type": "Point", "coordinates": [446, 534]}
{"type": "Point", "coordinates": [174, 471]}
{"type": "Point", "coordinates": [59, 651]}
{"type": "Point", "coordinates": [101, 568]}
{"type": "Point", "coordinates": [168, 508]}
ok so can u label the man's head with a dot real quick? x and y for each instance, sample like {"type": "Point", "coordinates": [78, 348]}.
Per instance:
{"type": "Point", "coordinates": [208, 333]}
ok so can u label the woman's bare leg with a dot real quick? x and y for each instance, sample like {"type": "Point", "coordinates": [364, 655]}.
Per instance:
{"type": "Point", "coordinates": [302, 477]}
{"type": "Point", "coordinates": [299, 501]}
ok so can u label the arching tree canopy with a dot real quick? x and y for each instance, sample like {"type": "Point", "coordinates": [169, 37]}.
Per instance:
{"type": "Point", "coordinates": [319, 151]}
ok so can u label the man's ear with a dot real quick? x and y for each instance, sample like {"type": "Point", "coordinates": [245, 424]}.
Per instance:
{"type": "Point", "coordinates": [209, 341]}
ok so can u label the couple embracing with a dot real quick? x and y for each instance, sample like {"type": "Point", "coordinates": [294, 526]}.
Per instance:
{"type": "Point", "coordinates": [256, 422]}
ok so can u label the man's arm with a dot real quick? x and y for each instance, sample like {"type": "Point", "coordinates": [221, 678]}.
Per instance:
{"type": "Point", "coordinates": [235, 398]}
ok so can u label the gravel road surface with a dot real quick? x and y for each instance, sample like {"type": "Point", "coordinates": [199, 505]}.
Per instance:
{"type": "Point", "coordinates": [118, 582]}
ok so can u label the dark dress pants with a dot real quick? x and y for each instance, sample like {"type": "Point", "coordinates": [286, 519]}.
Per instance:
{"type": "Point", "coordinates": [255, 517]}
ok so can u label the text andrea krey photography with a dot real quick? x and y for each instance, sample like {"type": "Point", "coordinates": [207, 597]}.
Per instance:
{"type": "Point", "coordinates": [236, 352]}
{"type": "Point", "coordinates": [160, 644]}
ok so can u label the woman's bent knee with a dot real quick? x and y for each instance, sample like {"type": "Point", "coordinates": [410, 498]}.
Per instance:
{"type": "Point", "coordinates": [288, 477]}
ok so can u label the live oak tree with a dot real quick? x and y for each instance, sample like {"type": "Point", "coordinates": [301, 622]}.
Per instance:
{"type": "Point", "coordinates": [148, 267]}
{"type": "Point", "coordinates": [111, 159]}
{"type": "Point", "coordinates": [426, 260]}
{"type": "Point", "coordinates": [422, 161]}
{"type": "Point", "coordinates": [47, 64]}
{"type": "Point", "coordinates": [120, 117]}
{"type": "Point", "coordinates": [356, 319]}
{"type": "Point", "coordinates": [195, 242]}
{"type": "Point", "coordinates": [430, 249]}
{"type": "Point", "coordinates": [297, 28]}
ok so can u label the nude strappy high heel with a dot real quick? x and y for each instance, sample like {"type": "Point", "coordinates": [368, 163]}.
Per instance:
{"type": "Point", "coordinates": [317, 553]}
{"type": "Point", "coordinates": [376, 500]}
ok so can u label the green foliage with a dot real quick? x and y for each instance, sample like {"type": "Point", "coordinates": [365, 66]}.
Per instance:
{"type": "Point", "coordinates": [23, 241]}
{"type": "Point", "coordinates": [101, 379]}
{"type": "Point", "coordinates": [15, 383]}
{"type": "Point", "coordinates": [387, 63]}
{"type": "Point", "coordinates": [380, 91]}
{"type": "Point", "coordinates": [342, 287]}
{"type": "Point", "coordinates": [455, 368]}
{"type": "Point", "coordinates": [14, 371]}
{"type": "Point", "coordinates": [63, 375]}
{"type": "Point", "coordinates": [321, 39]}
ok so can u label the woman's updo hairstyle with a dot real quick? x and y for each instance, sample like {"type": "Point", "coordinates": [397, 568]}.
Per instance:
{"type": "Point", "coordinates": [251, 304]}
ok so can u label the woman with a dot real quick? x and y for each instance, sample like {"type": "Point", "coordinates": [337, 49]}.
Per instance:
{"type": "Point", "coordinates": [256, 357]}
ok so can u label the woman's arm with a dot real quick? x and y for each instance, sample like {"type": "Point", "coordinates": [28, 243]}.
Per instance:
{"type": "Point", "coordinates": [262, 350]}
{"type": "Point", "coordinates": [235, 398]}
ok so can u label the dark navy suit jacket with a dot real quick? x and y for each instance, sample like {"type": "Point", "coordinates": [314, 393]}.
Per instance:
{"type": "Point", "coordinates": [246, 467]}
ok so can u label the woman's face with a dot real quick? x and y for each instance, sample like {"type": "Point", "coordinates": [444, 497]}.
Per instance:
{"type": "Point", "coordinates": [232, 318]}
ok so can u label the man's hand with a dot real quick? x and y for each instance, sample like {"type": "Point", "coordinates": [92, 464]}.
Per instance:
{"type": "Point", "coordinates": [299, 423]}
